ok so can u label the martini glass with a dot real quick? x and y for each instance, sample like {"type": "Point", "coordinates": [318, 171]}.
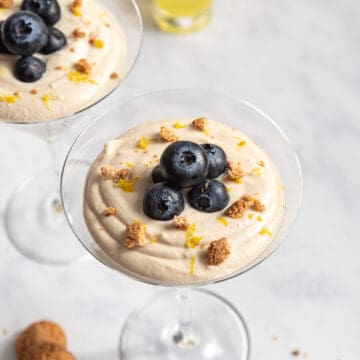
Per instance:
{"type": "Point", "coordinates": [34, 217]}
{"type": "Point", "coordinates": [183, 321]}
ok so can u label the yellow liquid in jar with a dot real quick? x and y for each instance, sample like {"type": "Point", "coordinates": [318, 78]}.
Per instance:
{"type": "Point", "coordinates": [184, 7]}
{"type": "Point", "coordinates": [182, 16]}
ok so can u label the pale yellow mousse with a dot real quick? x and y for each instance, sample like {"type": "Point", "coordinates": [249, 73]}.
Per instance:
{"type": "Point", "coordinates": [93, 35]}
{"type": "Point", "coordinates": [180, 254]}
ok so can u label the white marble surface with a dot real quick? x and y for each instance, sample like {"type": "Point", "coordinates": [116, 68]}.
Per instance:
{"type": "Point", "coordinates": [299, 62]}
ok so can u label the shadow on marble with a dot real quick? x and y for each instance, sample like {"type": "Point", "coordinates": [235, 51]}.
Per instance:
{"type": "Point", "coordinates": [7, 351]}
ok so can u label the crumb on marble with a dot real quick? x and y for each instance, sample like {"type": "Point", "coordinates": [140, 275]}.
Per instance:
{"type": "Point", "coordinates": [237, 209]}
{"type": "Point", "coordinates": [79, 34]}
{"type": "Point", "coordinates": [296, 353]}
{"type": "Point", "coordinates": [167, 135]}
{"type": "Point", "coordinates": [5, 331]}
{"type": "Point", "coordinates": [235, 171]}
{"type": "Point", "coordinates": [218, 251]}
{"type": "Point", "coordinates": [110, 211]}
{"type": "Point", "coordinates": [181, 222]}
{"type": "Point", "coordinates": [6, 4]}
{"type": "Point", "coordinates": [83, 66]}
{"type": "Point", "coordinates": [135, 234]}
{"type": "Point", "coordinates": [200, 123]}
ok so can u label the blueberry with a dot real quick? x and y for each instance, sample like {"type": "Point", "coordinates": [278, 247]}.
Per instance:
{"type": "Point", "coordinates": [156, 175]}
{"type": "Point", "coordinates": [216, 158]}
{"type": "Point", "coordinates": [184, 164]}
{"type": "Point", "coordinates": [209, 196]}
{"type": "Point", "coordinates": [24, 33]}
{"type": "Point", "coordinates": [56, 41]}
{"type": "Point", "coordinates": [49, 10]}
{"type": "Point", "coordinates": [29, 69]}
{"type": "Point", "coordinates": [162, 202]}
{"type": "Point", "coordinates": [3, 49]}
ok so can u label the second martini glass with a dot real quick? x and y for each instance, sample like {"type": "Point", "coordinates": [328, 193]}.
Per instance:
{"type": "Point", "coordinates": [34, 218]}
{"type": "Point", "coordinates": [186, 323]}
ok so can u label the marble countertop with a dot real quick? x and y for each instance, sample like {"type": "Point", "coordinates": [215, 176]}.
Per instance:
{"type": "Point", "coordinates": [299, 62]}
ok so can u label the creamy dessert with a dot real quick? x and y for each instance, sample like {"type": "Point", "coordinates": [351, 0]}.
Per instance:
{"type": "Point", "coordinates": [87, 65]}
{"type": "Point", "coordinates": [162, 224]}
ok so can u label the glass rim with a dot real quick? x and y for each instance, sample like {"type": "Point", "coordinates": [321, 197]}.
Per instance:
{"type": "Point", "coordinates": [65, 117]}
{"type": "Point", "coordinates": [200, 283]}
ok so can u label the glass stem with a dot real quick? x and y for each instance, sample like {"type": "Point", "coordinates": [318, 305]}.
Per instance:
{"type": "Point", "coordinates": [184, 336]}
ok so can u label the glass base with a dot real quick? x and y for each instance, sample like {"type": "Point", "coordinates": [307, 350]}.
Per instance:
{"type": "Point", "coordinates": [180, 24]}
{"type": "Point", "coordinates": [218, 330]}
{"type": "Point", "coordinates": [36, 224]}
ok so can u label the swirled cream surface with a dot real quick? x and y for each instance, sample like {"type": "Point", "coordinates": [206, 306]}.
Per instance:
{"type": "Point", "coordinates": [63, 90]}
{"type": "Point", "coordinates": [172, 255]}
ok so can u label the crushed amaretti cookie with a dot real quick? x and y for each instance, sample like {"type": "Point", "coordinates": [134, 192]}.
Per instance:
{"type": "Point", "coordinates": [237, 209]}
{"type": "Point", "coordinates": [6, 4]}
{"type": "Point", "coordinates": [135, 234]}
{"type": "Point", "coordinates": [257, 205]}
{"type": "Point", "coordinates": [75, 7]}
{"type": "Point", "coordinates": [98, 43]}
{"type": "Point", "coordinates": [110, 211]}
{"type": "Point", "coordinates": [167, 135]}
{"type": "Point", "coordinates": [34, 92]}
{"type": "Point", "coordinates": [72, 50]}
{"type": "Point", "coordinates": [114, 76]}
{"type": "Point", "coordinates": [79, 34]}
{"type": "Point", "coordinates": [182, 223]}
{"type": "Point", "coordinates": [218, 251]}
{"type": "Point", "coordinates": [235, 170]}
{"type": "Point", "coordinates": [109, 172]}
{"type": "Point", "coordinates": [200, 123]}
{"type": "Point", "coordinates": [247, 198]}
{"type": "Point", "coordinates": [261, 163]}
{"type": "Point", "coordinates": [58, 67]}
{"type": "Point", "coordinates": [82, 66]}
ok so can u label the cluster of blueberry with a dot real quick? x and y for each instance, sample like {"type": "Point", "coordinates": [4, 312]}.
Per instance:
{"type": "Point", "coordinates": [30, 31]}
{"type": "Point", "coordinates": [187, 165]}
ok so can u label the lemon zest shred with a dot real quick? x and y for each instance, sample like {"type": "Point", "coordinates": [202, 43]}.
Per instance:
{"type": "Point", "coordinates": [9, 99]}
{"type": "Point", "coordinates": [178, 125]}
{"type": "Point", "coordinates": [223, 221]}
{"type": "Point", "coordinates": [264, 231]}
{"type": "Point", "coordinates": [192, 266]}
{"type": "Point", "coordinates": [259, 218]}
{"type": "Point", "coordinates": [46, 98]}
{"type": "Point", "coordinates": [129, 164]}
{"type": "Point", "coordinates": [144, 143]}
{"type": "Point", "coordinates": [128, 185]}
{"type": "Point", "coordinates": [241, 144]}
{"type": "Point", "coordinates": [251, 216]}
{"type": "Point", "coordinates": [78, 77]}
{"type": "Point", "coordinates": [256, 171]}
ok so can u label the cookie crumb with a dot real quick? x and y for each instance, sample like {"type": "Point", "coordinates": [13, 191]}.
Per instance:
{"type": "Point", "coordinates": [237, 209]}
{"type": "Point", "coordinates": [167, 135]}
{"type": "Point", "coordinates": [181, 222]}
{"type": "Point", "coordinates": [135, 234]}
{"type": "Point", "coordinates": [122, 174]}
{"type": "Point", "coordinates": [98, 43]}
{"type": "Point", "coordinates": [261, 163]}
{"type": "Point", "coordinates": [108, 172]}
{"type": "Point", "coordinates": [275, 338]}
{"type": "Point", "coordinates": [72, 50]}
{"type": "Point", "coordinates": [114, 76]}
{"type": "Point", "coordinates": [5, 331]}
{"type": "Point", "coordinates": [6, 4]}
{"type": "Point", "coordinates": [257, 205]}
{"type": "Point", "coordinates": [235, 171]}
{"type": "Point", "coordinates": [17, 93]}
{"type": "Point", "coordinates": [75, 7]}
{"type": "Point", "coordinates": [247, 198]}
{"type": "Point", "coordinates": [82, 66]}
{"type": "Point", "coordinates": [110, 211]}
{"type": "Point", "coordinates": [34, 92]}
{"type": "Point", "coordinates": [218, 251]}
{"type": "Point", "coordinates": [200, 123]}
{"type": "Point", "coordinates": [79, 34]}
{"type": "Point", "coordinates": [296, 353]}
{"type": "Point", "coordinates": [58, 67]}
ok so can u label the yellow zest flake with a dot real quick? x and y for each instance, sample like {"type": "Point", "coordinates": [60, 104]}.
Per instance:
{"type": "Point", "coordinates": [154, 240]}
{"type": "Point", "coordinates": [129, 164]}
{"type": "Point", "coordinates": [98, 43]}
{"type": "Point", "coordinates": [178, 125]}
{"type": "Point", "coordinates": [9, 99]}
{"type": "Point", "coordinates": [192, 266]}
{"type": "Point", "coordinates": [281, 186]}
{"type": "Point", "coordinates": [192, 241]}
{"type": "Point", "coordinates": [206, 132]}
{"type": "Point", "coordinates": [264, 231]}
{"type": "Point", "coordinates": [46, 98]}
{"type": "Point", "coordinates": [223, 221]}
{"type": "Point", "coordinates": [192, 228]}
{"type": "Point", "coordinates": [251, 216]}
{"type": "Point", "coordinates": [144, 143]}
{"type": "Point", "coordinates": [128, 185]}
{"type": "Point", "coordinates": [241, 144]}
{"type": "Point", "coordinates": [228, 189]}
{"type": "Point", "coordinates": [238, 181]}
{"type": "Point", "coordinates": [79, 77]}
{"type": "Point", "coordinates": [76, 11]}
{"type": "Point", "coordinates": [259, 218]}
{"type": "Point", "coordinates": [256, 171]}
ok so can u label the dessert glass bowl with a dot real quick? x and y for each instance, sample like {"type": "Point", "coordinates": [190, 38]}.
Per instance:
{"type": "Point", "coordinates": [187, 324]}
{"type": "Point", "coordinates": [34, 217]}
